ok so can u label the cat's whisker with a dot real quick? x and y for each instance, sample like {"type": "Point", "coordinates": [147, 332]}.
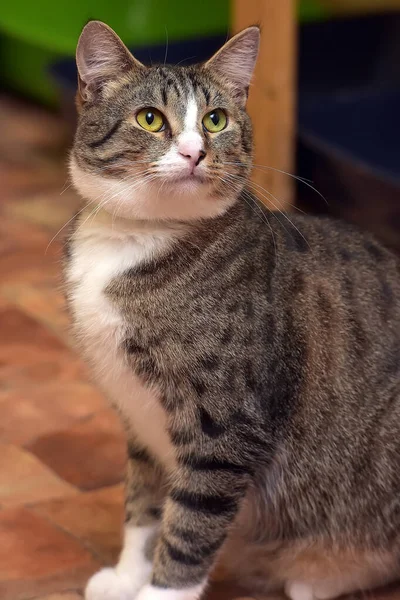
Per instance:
{"type": "Point", "coordinates": [160, 188]}
{"type": "Point", "coordinates": [260, 187]}
{"type": "Point", "coordinates": [71, 219]}
{"type": "Point", "coordinates": [63, 227]}
{"type": "Point", "coordinates": [95, 210]}
{"type": "Point", "coordinates": [66, 186]}
{"type": "Point", "coordinates": [92, 215]}
{"type": "Point", "coordinates": [183, 60]}
{"type": "Point", "coordinates": [259, 212]}
{"type": "Point", "coordinates": [256, 187]}
{"type": "Point", "coordinates": [251, 183]}
{"type": "Point", "coordinates": [146, 178]}
{"type": "Point", "coordinates": [104, 199]}
{"type": "Point", "coordinates": [166, 46]}
{"type": "Point", "coordinates": [277, 209]}
{"type": "Point", "coordinates": [254, 203]}
{"type": "Point", "coordinates": [306, 182]}
{"type": "Point", "coordinates": [302, 179]}
{"type": "Point", "coordinates": [133, 183]}
{"type": "Point", "coordinates": [281, 212]}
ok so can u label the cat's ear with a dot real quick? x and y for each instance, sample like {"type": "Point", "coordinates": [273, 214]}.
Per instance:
{"type": "Point", "coordinates": [101, 57]}
{"type": "Point", "coordinates": [235, 62]}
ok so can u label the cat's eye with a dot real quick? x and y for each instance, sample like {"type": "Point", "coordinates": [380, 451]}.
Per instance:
{"type": "Point", "coordinates": [150, 119]}
{"type": "Point", "coordinates": [214, 121]}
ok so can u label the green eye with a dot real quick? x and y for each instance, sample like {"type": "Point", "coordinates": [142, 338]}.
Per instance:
{"type": "Point", "coordinates": [214, 121]}
{"type": "Point", "coordinates": [150, 119]}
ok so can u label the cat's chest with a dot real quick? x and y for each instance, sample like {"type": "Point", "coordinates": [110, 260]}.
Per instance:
{"type": "Point", "coordinates": [100, 329]}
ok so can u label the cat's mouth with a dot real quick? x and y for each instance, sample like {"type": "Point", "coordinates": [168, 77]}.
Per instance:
{"type": "Point", "coordinates": [189, 178]}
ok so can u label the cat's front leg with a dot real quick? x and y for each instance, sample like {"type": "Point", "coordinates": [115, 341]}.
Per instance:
{"type": "Point", "coordinates": [202, 503]}
{"type": "Point", "coordinates": [144, 497]}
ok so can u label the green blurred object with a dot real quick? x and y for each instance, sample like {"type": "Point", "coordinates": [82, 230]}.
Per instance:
{"type": "Point", "coordinates": [311, 10]}
{"type": "Point", "coordinates": [35, 34]}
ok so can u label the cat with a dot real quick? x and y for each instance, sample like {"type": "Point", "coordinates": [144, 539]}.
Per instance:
{"type": "Point", "coordinates": [254, 357]}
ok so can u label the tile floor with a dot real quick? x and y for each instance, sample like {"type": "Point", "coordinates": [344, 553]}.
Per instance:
{"type": "Point", "coordinates": [61, 448]}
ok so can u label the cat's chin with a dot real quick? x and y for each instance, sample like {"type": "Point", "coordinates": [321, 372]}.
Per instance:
{"type": "Point", "coordinates": [183, 199]}
{"type": "Point", "coordinates": [187, 185]}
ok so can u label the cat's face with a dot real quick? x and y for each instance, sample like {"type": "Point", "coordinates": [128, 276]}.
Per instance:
{"type": "Point", "coordinates": [162, 142]}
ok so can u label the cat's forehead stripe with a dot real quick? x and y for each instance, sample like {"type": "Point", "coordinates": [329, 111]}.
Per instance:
{"type": "Point", "coordinates": [190, 135]}
{"type": "Point", "coordinates": [183, 84]}
{"type": "Point", "coordinates": [190, 122]}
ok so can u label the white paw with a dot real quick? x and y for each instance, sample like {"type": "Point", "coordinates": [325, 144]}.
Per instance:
{"type": "Point", "coordinates": [107, 584]}
{"type": "Point", "coordinates": [297, 590]}
{"type": "Point", "coordinates": [150, 592]}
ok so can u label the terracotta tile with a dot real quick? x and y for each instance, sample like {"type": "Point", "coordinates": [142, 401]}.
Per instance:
{"type": "Point", "coordinates": [32, 150]}
{"type": "Point", "coordinates": [38, 558]}
{"type": "Point", "coordinates": [22, 177]}
{"type": "Point", "coordinates": [29, 352]}
{"type": "Point", "coordinates": [32, 411]}
{"type": "Point", "coordinates": [38, 368]}
{"type": "Point", "coordinates": [51, 209]}
{"type": "Point", "coordinates": [89, 455]}
{"type": "Point", "coordinates": [8, 244]}
{"type": "Point", "coordinates": [23, 235]}
{"type": "Point", "coordinates": [23, 478]}
{"type": "Point", "coordinates": [4, 302]}
{"type": "Point", "coordinates": [61, 596]}
{"type": "Point", "coordinates": [228, 591]}
{"type": "Point", "coordinates": [75, 579]}
{"type": "Point", "coordinates": [18, 328]}
{"type": "Point", "coordinates": [94, 517]}
{"type": "Point", "coordinates": [28, 265]}
{"type": "Point", "coordinates": [44, 304]}
{"type": "Point", "coordinates": [25, 253]}
{"type": "Point", "coordinates": [28, 125]}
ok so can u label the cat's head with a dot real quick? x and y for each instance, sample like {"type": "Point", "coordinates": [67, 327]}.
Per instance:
{"type": "Point", "coordinates": [162, 142]}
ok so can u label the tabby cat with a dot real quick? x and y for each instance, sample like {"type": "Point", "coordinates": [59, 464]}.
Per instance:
{"type": "Point", "coordinates": [254, 358]}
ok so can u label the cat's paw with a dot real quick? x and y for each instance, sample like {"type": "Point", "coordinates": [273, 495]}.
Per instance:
{"type": "Point", "coordinates": [108, 584]}
{"type": "Point", "coordinates": [298, 590]}
{"type": "Point", "coordinates": [150, 592]}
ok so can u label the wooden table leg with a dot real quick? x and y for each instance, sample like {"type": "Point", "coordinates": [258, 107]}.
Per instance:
{"type": "Point", "coordinates": [272, 95]}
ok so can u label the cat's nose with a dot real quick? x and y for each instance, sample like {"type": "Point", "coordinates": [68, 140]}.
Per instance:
{"type": "Point", "coordinates": [193, 151]}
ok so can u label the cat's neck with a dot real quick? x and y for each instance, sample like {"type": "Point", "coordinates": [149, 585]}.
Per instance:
{"type": "Point", "coordinates": [107, 245]}
{"type": "Point", "coordinates": [152, 238]}
{"type": "Point", "coordinates": [102, 224]}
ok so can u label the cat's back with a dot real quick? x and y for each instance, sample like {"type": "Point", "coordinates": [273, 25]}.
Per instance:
{"type": "Point", "coordinates": [325, 242]}
{"type": "Point", "coordinates": [332, 265]}
{"type": "Point", "coordinates": [342, 284]}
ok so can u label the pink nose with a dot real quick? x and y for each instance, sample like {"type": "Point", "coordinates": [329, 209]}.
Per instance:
{"type": "Point", "coordinates": [192, 150]}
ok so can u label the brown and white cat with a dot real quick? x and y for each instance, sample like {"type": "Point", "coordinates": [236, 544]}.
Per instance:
{"type": "Point", "coordinates": [254, 359]}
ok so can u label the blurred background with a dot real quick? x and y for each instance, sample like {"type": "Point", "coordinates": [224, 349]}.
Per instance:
{"type": "Point", "coordinates": [325, 104]}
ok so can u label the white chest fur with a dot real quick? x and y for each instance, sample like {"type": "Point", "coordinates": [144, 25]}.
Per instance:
{"type": "Point", "coordinates": [98, 254]}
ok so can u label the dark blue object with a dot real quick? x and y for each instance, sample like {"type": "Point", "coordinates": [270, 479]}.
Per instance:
{"type": "Point", "coordinates": [349, 94]}
{"type": "Point", "coordinates": [363, 127]}
{"type": "Point", "coordinates": [349, 121]}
